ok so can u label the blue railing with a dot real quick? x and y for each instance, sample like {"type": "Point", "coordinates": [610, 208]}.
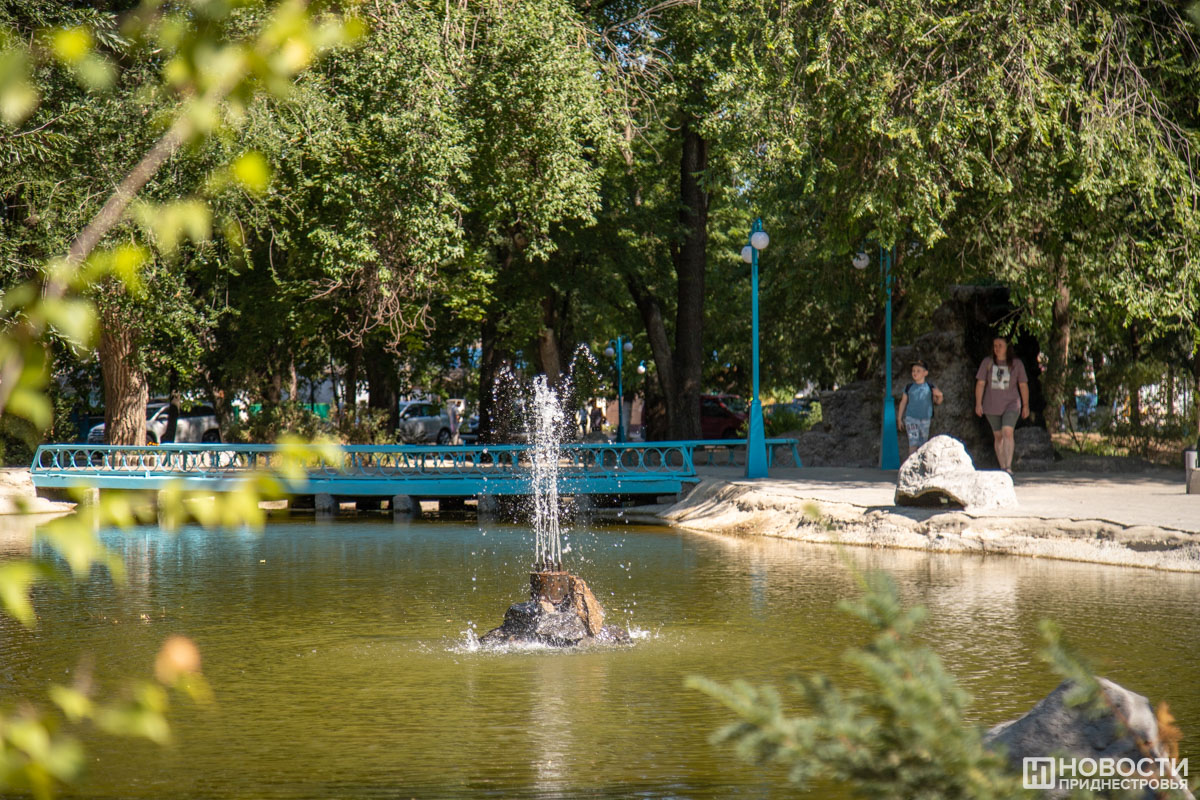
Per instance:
{"type": "Point", "coordinates": [433, 471]}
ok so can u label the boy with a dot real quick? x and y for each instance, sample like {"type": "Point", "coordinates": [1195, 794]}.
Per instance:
{"type": "Point", "coordinates": [916, 406]}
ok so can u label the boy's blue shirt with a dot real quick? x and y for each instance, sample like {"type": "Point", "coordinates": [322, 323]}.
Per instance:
{"type": "Point", "coordinates": [920, 400]}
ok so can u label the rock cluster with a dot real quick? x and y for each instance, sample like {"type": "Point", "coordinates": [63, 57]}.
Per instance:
{"type": "Point", "coordinates": [1127, 729]}
{"type": "Point", "coordinates": [577, 619]}
{"type": "Point", "coordinates": [963, 328]}
{"type": "Point", "coordinates": [942, 473]}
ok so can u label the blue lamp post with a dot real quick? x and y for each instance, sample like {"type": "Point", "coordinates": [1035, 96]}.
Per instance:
{"type": "Point", "coordinates": [889, 448]}
{"type": "Point", "coordinates": [622, 347]}
{"type": "Point", "coordinates": [756, 440]}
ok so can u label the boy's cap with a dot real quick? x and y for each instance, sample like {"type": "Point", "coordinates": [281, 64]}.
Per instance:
{"type": "Point", "coordinates": [920, 363]}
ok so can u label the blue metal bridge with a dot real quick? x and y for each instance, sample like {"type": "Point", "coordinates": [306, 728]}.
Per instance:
{"type": "Point", "coordinates": [391, 470]}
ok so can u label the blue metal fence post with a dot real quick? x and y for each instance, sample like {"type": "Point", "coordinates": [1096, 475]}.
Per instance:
{"type": "Point", "coordinates": [620, 391]}
{"type": "Point", "coordinates": [756, 445]}
{"type": "Point", "coordinates": [889, 448]}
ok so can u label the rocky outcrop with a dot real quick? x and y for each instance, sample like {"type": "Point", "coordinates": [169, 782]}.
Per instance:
{"type": "Point", "coordinates": [941, 473]}
{"type": "Point", "coordinates": [576, 619]}
{"type": "Point", "coordinates": [864, 518]}
{"type": "Point", "coordinates": [19, 496]}
{"type": "Point", "coordinates": [963, 327]}
{"type": "Point", "coordinates": [1123, 727]}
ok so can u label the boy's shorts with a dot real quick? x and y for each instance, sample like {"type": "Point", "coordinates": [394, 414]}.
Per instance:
{"type": "Point", "coordinates": [1006, 420]}
{"type": "Point", "coordinates": [918, 431]}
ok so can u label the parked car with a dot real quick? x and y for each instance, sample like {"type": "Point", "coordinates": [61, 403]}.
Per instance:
{"type": "Point", "coordinates": [195, 424]}
{"type": "Point", "coordinates": [468, 431]}
{"type": "Point", "coordinates": [722, 416]}
{"type": "Point", "coordinates": [421, 421]}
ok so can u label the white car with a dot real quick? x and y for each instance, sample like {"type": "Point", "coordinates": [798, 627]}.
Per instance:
{"type": "Point", "coordinates": [421, 421]}
{"type": "Point", "coordinates": [197, 424]}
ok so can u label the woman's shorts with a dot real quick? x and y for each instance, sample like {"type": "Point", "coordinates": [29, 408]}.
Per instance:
{"type": "Point", "coordinates": [1006, 420]}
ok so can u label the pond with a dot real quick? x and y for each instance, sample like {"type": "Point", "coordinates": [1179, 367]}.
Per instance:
{"type": "Point", "coordinates": [342, 662]}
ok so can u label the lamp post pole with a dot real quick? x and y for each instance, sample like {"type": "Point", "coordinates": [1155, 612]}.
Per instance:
{"type": "Point", "coordinates": [622, 347]}
{"type": "Point", "coordinates": [889, 448]}
{"type": "Point", "coordinates": [756, 440]}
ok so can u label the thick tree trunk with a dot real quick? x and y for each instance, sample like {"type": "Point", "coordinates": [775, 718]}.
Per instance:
{"type": "Point", "coordinates": [173, 409]}
{"type": "Point", "coordinates": [549, 352]}
{"type": "Point", "coordinates": [1135, 388]}
{"type": "Point", "coordinates": [1196, 388]}
{"type": "Point", "coordinates": [660, 348]}
{"type": "Point", "coordinates": [273, 389]}
{"type": "Point", "coordinates": [333, 382]}
{"type": "Point", "coordinates": [488, 366]}
{"type": "Point", "coordinates": [293, 384]}
{"type": "Point", "coordinates": [383, 383]}
{"type": "Point", "coordinates": [125, 390]}
{"type": "Point", "coordinates": [690, 259]}
{"type": "Point", "coordinates": [1058, 357]}
{"type": "Point", "coordinates": [351, 385]}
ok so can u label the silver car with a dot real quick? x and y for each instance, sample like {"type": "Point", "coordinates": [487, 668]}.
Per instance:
{"type": "Point", "coordinates": [198, 424]}
{"type": "Point", "coordinates": [421, 421]}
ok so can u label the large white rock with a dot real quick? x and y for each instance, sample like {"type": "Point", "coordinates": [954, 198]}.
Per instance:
{"type": "Point", "coordinates": [942, 472]}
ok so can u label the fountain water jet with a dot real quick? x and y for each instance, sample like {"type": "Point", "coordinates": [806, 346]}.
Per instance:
{"type": "Point", "coordinates": [562, 610]}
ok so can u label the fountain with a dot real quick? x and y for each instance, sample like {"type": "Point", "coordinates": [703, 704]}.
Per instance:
{"type": "Point", "coordinates": [561, 611]}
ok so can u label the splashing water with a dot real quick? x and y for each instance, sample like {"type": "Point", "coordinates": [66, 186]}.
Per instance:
{"type": "Point", "coordinates": [547, 434]}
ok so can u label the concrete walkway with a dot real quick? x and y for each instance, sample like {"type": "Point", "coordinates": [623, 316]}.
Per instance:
{"type": "Point", "coordinates": [1154, 498]}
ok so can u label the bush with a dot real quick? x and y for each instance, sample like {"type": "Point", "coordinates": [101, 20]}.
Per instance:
{"type": "Point", "coordinates": [272, 422]}
{"type": "Point", "coordinates": [784, 419]}
{"type": "Point", "coordinates": [905, 735]}
{"type": "Point", "coordinates": [367, 426]}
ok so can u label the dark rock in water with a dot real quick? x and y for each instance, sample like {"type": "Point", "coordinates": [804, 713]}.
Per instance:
{"type": "Point", "coordinates": [1127, 728]}
{"type": "Point", "coordinates": [611, 633]}
{"type": "Point", "coordinates": [560, 627]}
{"type": "Point", "coordinates": [577, 620]}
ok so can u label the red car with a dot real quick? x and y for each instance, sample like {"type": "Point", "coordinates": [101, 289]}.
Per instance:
{"type": "Point", "coordinates": [722, 416]}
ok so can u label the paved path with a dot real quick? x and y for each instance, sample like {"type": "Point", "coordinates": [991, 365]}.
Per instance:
{"type": "Point", "coordinates": [1153, 498]}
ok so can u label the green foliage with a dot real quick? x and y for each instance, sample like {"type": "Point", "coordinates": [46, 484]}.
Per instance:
{"type": "Point", "coordinates": [368, 426]}
{"type": "Point", "coordinates": [783, 420]}
{"type": "Point", "coordinates": [275, 422]}
{"type": "Point", "coordinates": [210, 70]}
{"type": "Point", "coordinates": [905, 735]}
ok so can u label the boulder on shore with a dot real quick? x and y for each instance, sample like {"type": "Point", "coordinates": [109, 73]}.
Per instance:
{"type": "Point", "coordinates": [942, 473]}
{"type": "Point", "coordinates": [1128, 728]}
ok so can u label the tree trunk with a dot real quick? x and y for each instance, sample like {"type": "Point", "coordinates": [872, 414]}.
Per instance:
{"type": "Point", "coordinates": [690, 258]}
{"type": "Point", "coordinates": [383, 383]}
{"type": "Point", "coordinates": [351, 384]}
{"type": "Point", "coordinates": [660, 348]}
{"type": "Point", "coordinates": [273, 390]}
{"type": "Point", "coordinates": [488, 366]}
{"type": "Point", "coordinates": [333, 382]}
{"type": "Point", "coordinates": [1058, 357]}
{"type": "Point", "coordinates": [1135, 386]}
{"type": "Point", "coordinates": [293, 384]}
{"type": "Point", "coordinates": [172, 430]}
{"type": "Point", "coordinates": [125, 390]}
{"type": "Point", "coordinates": [1196, 387]}
{"type": "Point", "coordinates": [549, 352]}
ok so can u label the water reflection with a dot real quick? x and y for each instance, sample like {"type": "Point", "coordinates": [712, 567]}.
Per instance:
{"type": "Point", "coordinates": [336, 654]}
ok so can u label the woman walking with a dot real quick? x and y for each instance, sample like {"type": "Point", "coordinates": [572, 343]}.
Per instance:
{"type": "Point", "coordinates": [1001, 395]}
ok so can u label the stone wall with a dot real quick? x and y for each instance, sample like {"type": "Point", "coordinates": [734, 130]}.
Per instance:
{"type": "Point", "coordinates": [961, 338]}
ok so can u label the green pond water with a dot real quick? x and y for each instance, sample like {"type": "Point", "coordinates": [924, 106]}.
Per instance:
{"type": "Point", "coordinates": [342, 666]}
